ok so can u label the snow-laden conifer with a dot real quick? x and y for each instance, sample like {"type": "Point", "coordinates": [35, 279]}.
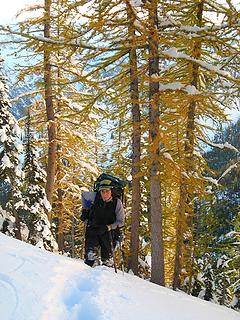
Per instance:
{"type": "Point", "coordinates": [236, 296]}
{"type": "Point", "coordinates": [10, 172]}
{"type": "Point", "coordinates": [35, 203]}
{"type": "Point", "coordinates": [223, 280]}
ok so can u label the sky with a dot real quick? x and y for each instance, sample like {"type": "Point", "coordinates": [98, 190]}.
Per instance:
{"type": "Point", "coordinates": [39, 285]}
{"type": "Point", "coordinates": [11, 7]}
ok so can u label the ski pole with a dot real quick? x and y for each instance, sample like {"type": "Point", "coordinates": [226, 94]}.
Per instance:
{"type": "Point", "coordinates": [122, 254]}
{"type": "Point", "coordinates": [113, 254]}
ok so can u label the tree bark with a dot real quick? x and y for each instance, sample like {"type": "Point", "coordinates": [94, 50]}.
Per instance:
{"type": "Point", "coordinates": [60, 220]}
{"type": "Point", "coordinates": [184, 245]}
{"type": "Point", "coordinates": [52, 131]}
{"type": "Point", "coordinates": [157, 251]}
{"type": "Point", "coordinates": [179, 237]}
{"type": "Point", "coordinates": [136, 148]}
{"type": "Point", "coordinates": [17, 225]}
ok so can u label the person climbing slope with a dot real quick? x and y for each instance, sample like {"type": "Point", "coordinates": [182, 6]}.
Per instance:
{"type": "Point", "coordinates": [103, 222]}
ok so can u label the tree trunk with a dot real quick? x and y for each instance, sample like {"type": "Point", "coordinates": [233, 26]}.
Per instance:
{"type": "Point", "coordinates": [157, 267]}
{"type": "Point", "coordinates": [73, 237]}
{"type": "Point", "coordinates": [184, 245]}
{"type": "Point", "coordinates": [179, 237]}
{"type": "Point", "coordinates": [136, 151]}
{"type": "Point", "coordinates": [52, 141]}
{"type": "Point", "coordinates": [60, 220]}
{"type": "Point", "coordinates": [17, 225]}
{"type": "Point", "coordinates": [15, 197]}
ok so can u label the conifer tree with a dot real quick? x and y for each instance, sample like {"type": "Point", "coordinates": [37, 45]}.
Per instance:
{"type": "Point", "coordinates": [136, 143]}
{"type": "Point", "coordinates": [186, 194]}
{"type": "Point", "coordinates": [236, 297]}
{"type": "Point", "coordinates": [10, 149]}
{"type": "Point", "coordinates": [235, 255]}
{"type": "Point", "coordinates": [157, 268]}
{"type": "Point", "coordinates": [69, 110]}
{"type": "Point", "coordinates": [51, 121]}
{"type": "Point", "coordinates": [222, 281]}
{"type": "Point", "coordinates": [35, 204]}
{"type": "Point", "coordinates": [198, 104]}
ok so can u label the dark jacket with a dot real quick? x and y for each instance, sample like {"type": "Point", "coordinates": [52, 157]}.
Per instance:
{"type": "Point", "coordinates": [104, 213]}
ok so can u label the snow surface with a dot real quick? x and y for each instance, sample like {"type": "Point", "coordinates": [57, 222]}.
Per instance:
{"type": "Point", "coordinates": [35, 284]}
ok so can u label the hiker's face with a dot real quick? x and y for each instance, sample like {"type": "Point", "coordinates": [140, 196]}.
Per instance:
{"type": "Point", "coordinates": [106, 194]}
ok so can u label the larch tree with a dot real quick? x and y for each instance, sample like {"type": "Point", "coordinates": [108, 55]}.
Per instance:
{"type": "Point", "coordinates": [186, 203]}
{"type": "Point", "coordinates": [190, 102]}
{"type": "Point", "coordinates": [61, 86]}
{"type": "Point", "coordinates": [48, 96]}
{"type": "Point", "coordinates": [136, 142]}
{"type": "Point", "coordinates": [157, 256]}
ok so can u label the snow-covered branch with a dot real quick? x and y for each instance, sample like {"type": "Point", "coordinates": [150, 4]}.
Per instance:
{"type": "Point", "coordinates": [225, 145]}
{"type": "Point", "coordinates": [169, 21]}
{"type": "Point", "coordinates": [175, 54]}
{"type": "Point", "coordinates": [229, 169]}
{"type": "Point", "coordinates": [75, 43]}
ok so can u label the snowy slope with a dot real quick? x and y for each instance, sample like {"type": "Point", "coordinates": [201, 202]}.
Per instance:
{"type": "Point", "coordinates": [39, 285]}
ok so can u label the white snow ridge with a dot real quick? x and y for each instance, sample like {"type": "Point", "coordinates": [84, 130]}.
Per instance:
{"type": "Point", "coordinates": [38, 285]}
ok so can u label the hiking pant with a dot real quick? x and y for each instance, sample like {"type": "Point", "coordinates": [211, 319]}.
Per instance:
{"type": "Point", "coordinates": [94, 241]}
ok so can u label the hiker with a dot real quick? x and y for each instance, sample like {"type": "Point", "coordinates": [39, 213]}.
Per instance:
{"type": "Point", "coordinates": [103, 222]}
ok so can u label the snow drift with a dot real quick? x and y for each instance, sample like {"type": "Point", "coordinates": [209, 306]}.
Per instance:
{"type": "Point", "coordinates": [38, 285]}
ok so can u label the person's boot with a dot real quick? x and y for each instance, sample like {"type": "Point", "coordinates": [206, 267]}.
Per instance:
{"type": "Point", "coordinates": [107, 262]}
{"type": "Point", "coordinates": [91, 257]}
